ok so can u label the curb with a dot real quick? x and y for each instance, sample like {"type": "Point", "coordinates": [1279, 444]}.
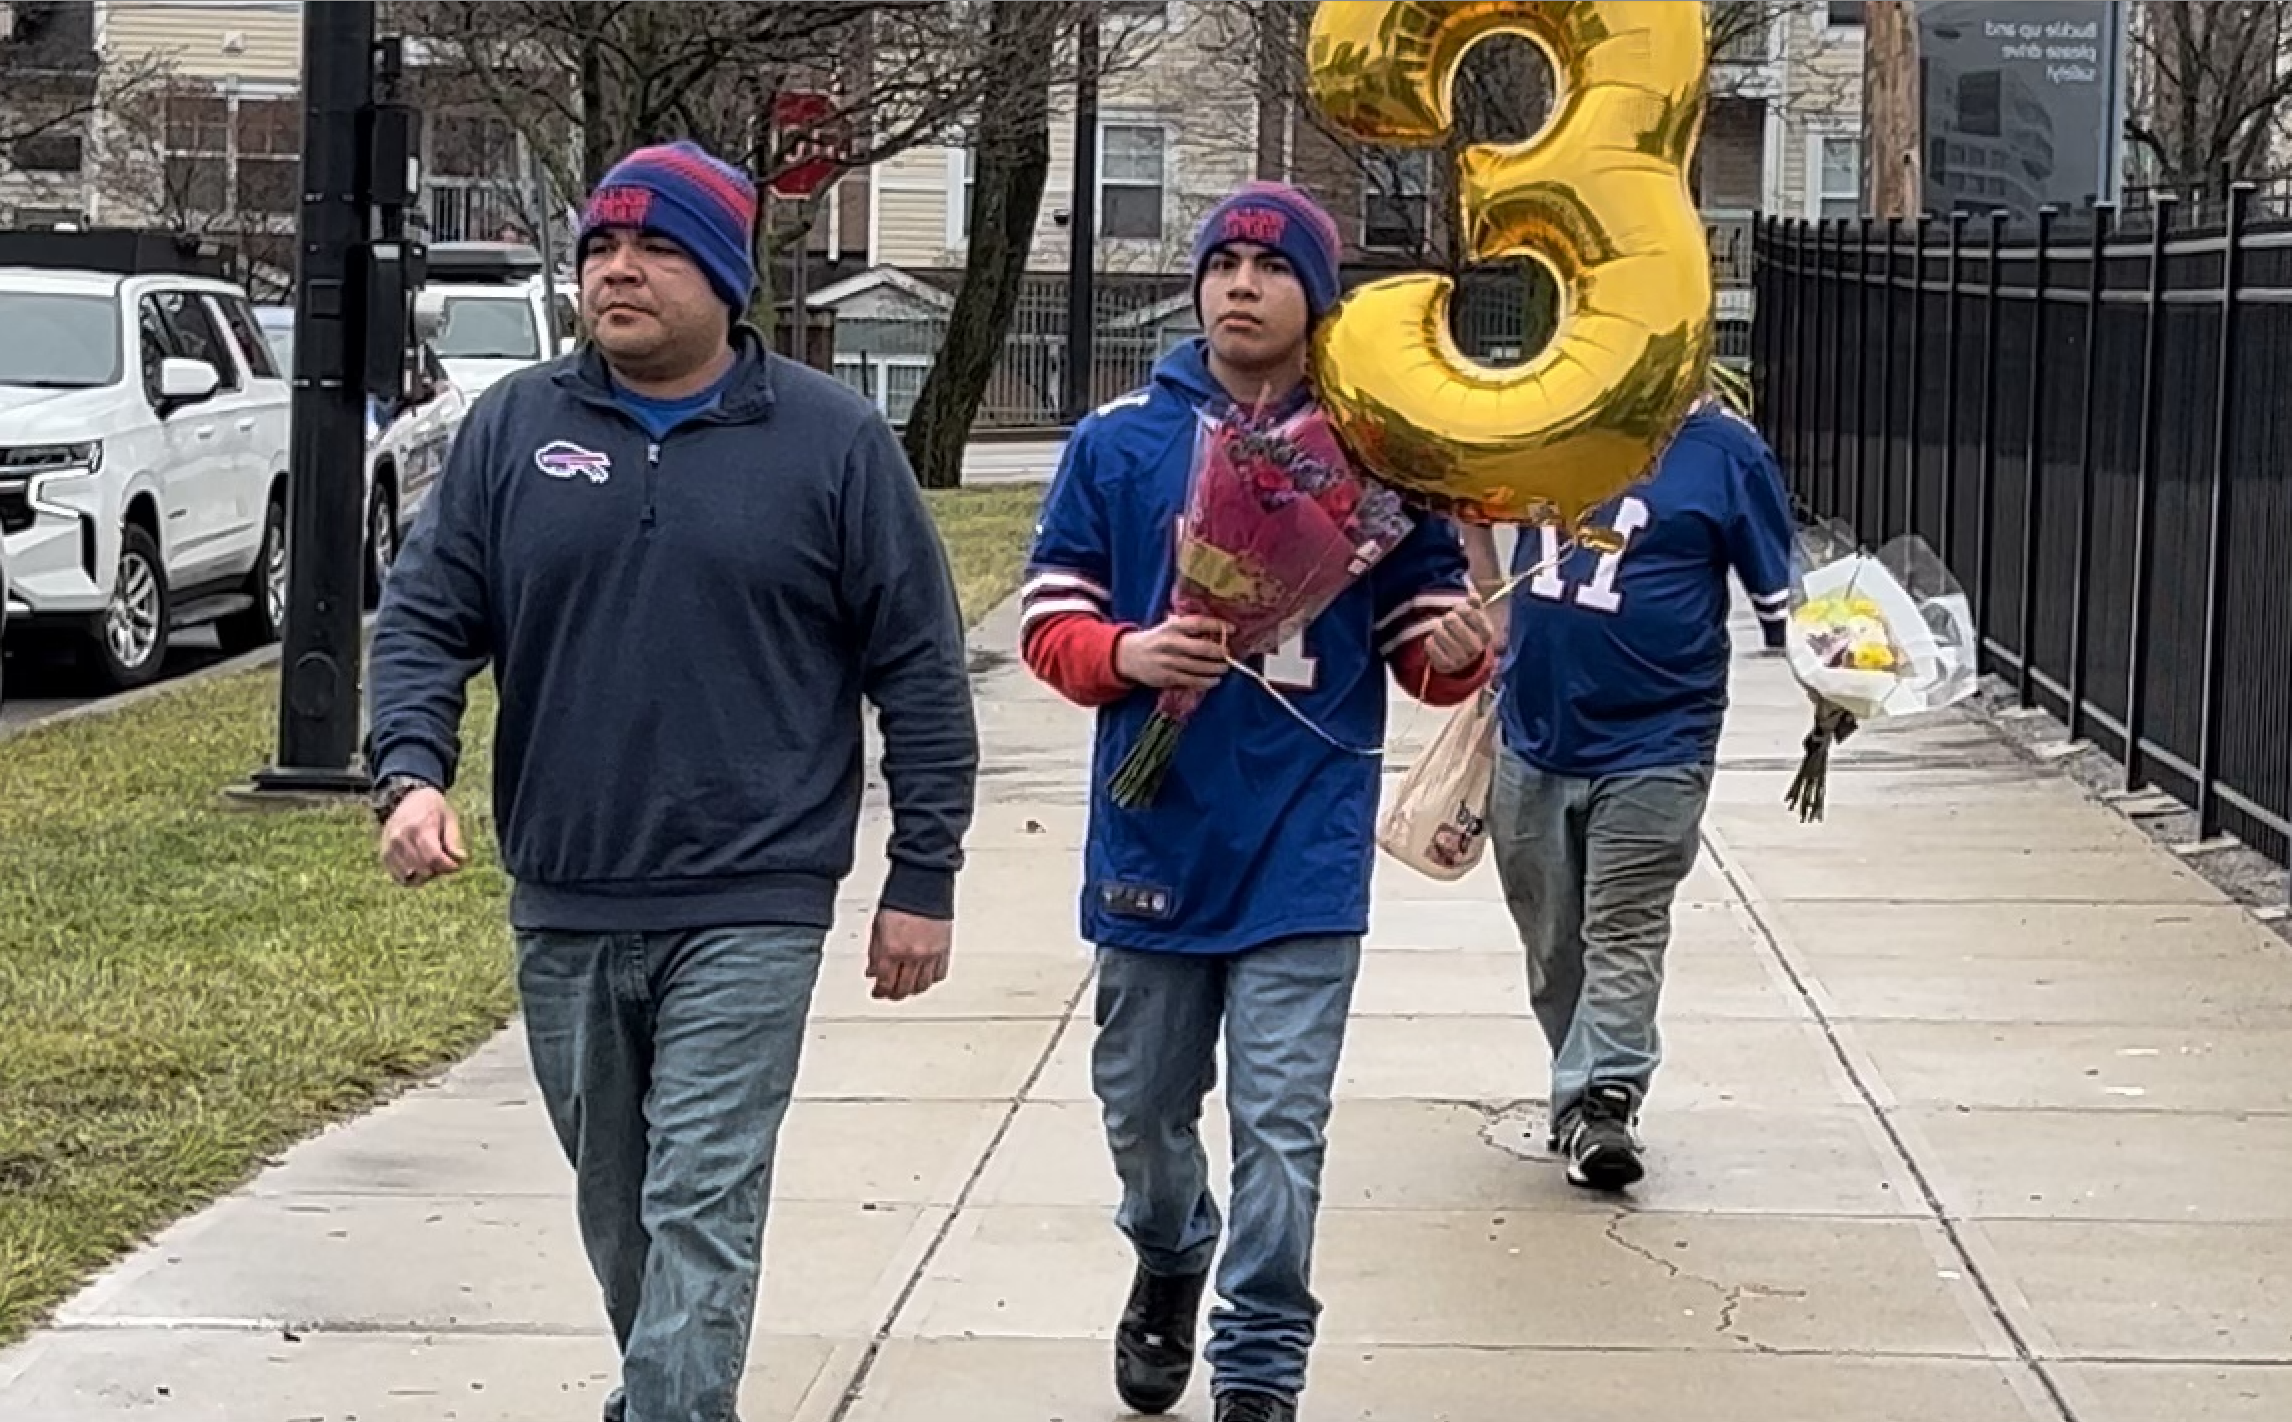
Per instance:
{"type": "Point", "coordinates": [120, 701]}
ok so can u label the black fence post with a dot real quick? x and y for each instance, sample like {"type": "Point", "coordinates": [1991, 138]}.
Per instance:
{"type": "Point", "coordinates": [2216, 534]}
{"type": "Point", "coordinates": [1985, 514]}
{"type": "Point", "coordinates": [1834, 369]}
{"type": "Point", "coordinates": [2145, 490]}
{"type": "Point", "coordinates": [2031, 502]}
{"type": "Point", "coordinates": [2080, 616]}
{"type": "Point", "coordinates": [1794, 452]}
{"type": "Point", "coordinates": [1861, 357]}
{"type": "Point", "coordinates": [1889, 296]}
{"type": "Point", "coordinates": [1763, 317]}
{"type": "Point", "coordinates": [1949, 529]}
{"type": "Point", "coordinates": [1914, 446]}
{"type": "Point", "coordinates": [1802, 321]}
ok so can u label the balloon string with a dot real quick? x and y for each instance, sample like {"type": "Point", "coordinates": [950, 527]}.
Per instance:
{"type": "Point", "coordinates": [1417, 706]}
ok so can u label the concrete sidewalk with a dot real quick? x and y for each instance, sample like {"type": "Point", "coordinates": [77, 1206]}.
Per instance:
{"type": "Point", "coordinates": [1977, 1111]}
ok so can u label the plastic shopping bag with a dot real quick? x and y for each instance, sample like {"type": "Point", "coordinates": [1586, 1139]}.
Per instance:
{"type": "Point", "coordinates": [1438, 821]}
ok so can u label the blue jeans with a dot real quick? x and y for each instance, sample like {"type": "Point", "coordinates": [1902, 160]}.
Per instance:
{"type": "Point", "coordinates": [1590, 867]}
{"type": "Point", "coordinates": [667, 1061]}
{"type": "Point", "coordinates": [1282, 1008]}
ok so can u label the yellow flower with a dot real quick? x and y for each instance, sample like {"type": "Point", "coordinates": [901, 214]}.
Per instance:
{"type": "Point", "coordinates": [1873, 656]}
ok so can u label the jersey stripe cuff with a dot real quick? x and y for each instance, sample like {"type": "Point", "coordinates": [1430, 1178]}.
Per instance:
{"type": "Point", "coordinates": [1035, 612]}
{"type": "Point", "coordinates": [1436, 602]}
{"type": "Point", "coordinates": [1052, 581]}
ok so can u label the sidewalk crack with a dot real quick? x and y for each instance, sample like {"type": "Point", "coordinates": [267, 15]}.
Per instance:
{"type": "Point", "coordinates": [1732, 1297]}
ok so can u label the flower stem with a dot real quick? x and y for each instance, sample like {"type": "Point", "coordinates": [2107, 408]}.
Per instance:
{"type": "Point", "coordinates": [1138, 779]}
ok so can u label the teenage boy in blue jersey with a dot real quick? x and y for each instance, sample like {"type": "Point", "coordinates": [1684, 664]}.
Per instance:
{"type": "Point", "coordinates": [1237, 901]}
{"type": "Point", "coordinates": [1614, 688]}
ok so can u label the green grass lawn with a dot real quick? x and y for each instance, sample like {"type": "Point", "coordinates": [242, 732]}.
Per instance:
{"type": "Point", "coordinates": [188, 986]}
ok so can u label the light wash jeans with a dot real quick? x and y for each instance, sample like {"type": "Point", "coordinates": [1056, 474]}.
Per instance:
{"type": "Point", "coordinates": [1282, 1011]}
{"type": "Point", "coordinates": [667, 1061]}
{"type": "Point", "coordinates": [1590, 868]}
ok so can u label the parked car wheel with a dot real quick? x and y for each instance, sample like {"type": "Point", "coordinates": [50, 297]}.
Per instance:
{"type": "Point", "coordinates": [128, 642]}
{"type": "Point", "coordinates": [381, 540]}
{"type": "Point", "coordinates": [263, 623]}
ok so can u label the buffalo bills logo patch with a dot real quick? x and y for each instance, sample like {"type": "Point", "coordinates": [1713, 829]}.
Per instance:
{"type": "Point", "coordinates": [561, 460]}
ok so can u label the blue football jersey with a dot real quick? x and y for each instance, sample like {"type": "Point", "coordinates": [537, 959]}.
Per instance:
{"type": "Point", "coordinates": [1618, 661]}
{"type": "Point", "coordinates": [1263, 829]}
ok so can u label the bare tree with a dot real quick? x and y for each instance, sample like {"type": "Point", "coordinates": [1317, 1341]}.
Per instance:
{"type": "Point", "coordinates": [881, 77]}
{"type": "Point", "coordinates": [55, 91]}
{"type": "Point", "coordinates": [2214, 89]}
{"type": "Point", "coordinates": [1010, 157]}
{"type": "Point", "coordinates": [1503, 92]}
{"type": "Point", "coordinates": [164, 158]}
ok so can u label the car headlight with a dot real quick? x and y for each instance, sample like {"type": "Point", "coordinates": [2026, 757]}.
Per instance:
{"type": "Point", "coordinates": [48, 465]}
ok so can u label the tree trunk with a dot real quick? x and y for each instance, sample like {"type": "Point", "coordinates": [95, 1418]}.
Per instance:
{"type": "Point", "coordinates": [596, 134]}
{"type": "Point", "coordinates": [1012, 158]}
{"type": "Point", "coordinates": [1894, 181]}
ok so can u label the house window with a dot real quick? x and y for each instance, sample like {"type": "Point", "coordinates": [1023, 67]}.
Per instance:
{"type": "Point", "coordinates": [267, 178]}
{"type": "Point", "coordinates": [1739, 28]}
{"type": "Point", "coordinates": [1393, 200]}
{"type": "Point", "coordinates": [56, 152]}
{"type": "Point", "coordinates": [232, 156]}
{"type": "Point", "coordinates": [1838, 191]}
{"type": "Point", "coordinates": [198, 166]}
{"type": "Point", "coordinates": [1846, 13]}
{"type": "Point", "coordinates": [1130, 175]}
{"type": "Point", "coordinates": [45, 219]}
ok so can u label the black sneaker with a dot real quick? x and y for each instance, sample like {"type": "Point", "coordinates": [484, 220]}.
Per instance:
{"type": "Point", "coordinates": [1598, 1140]}
{"type": "Point", "coordinates": [1154, 1343]}
{"type": "Point", "coordinates": [1254, 1407]}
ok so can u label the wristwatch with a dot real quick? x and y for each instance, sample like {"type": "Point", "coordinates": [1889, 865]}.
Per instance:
{"type": "Point", "coordinates": [394, 789]}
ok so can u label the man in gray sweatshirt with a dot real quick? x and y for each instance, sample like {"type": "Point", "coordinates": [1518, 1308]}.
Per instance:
{"type": "Point", "coordinates": [687, 561]}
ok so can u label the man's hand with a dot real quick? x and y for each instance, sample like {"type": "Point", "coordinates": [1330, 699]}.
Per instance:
{"type": "Point", "coordinates": [1188, 652]}
{"type": "Point", "coordinates": [423, 839]}
{"type": "Point", "coordinates": [1459, 639]}
{"type": "Point", "coordinates": [907, 954]}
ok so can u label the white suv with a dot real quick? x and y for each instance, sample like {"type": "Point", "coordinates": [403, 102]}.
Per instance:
{"type": "Point", "coordinates": [143, 464]}
{"type": "Point", "coordinates": [489, 311]}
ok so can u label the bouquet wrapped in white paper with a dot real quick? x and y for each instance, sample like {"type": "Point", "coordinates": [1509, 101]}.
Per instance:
{"type": "Point", "coordinates": [1873, 636]}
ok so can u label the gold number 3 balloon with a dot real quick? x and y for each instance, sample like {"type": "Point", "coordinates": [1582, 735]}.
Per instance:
{"type": "Point", "coordinates": [1599, 197]}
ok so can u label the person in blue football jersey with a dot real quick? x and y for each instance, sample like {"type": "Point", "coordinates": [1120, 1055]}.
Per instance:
{"type": "Point", "coordinates": [1236, 902]}
{"type": "Point", "coordinates": [1611, 698]}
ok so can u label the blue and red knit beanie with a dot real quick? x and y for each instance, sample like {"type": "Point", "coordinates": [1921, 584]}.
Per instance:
{"type": "Point", "coordinates": [681, 192]}
{"type": "Point", "coordinates": [1283, 218]}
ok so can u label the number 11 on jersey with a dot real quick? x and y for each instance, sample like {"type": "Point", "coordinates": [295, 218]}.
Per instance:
{"type": "Point", "coordinates": [1599, 592]}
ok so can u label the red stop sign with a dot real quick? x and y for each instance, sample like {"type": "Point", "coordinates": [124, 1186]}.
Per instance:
{"type": "Point", "coordinates": [813, 161]}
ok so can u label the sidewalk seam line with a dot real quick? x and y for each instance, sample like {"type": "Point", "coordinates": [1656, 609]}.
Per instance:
{"type": "Point", "coordinates": [854, 1389]}
{"type": "Point", "coordinates": [1739, 881]}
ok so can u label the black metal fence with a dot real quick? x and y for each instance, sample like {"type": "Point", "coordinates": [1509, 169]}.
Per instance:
{"type": "Point", "coordinates": [2090, 420]}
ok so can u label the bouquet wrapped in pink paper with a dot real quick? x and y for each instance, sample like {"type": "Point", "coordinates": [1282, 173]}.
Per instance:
{"type": "Point", "coordinates": [1278, 523]}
